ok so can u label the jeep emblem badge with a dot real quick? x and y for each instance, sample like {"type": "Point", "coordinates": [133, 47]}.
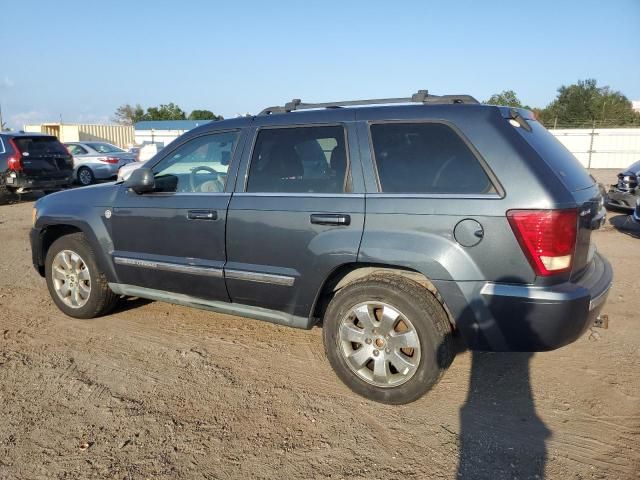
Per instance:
{"type": "Point", "coordinates": [107, 213]}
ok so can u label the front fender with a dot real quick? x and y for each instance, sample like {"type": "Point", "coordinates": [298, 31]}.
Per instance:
{"type": "Point", "coordinates": [83, 209]}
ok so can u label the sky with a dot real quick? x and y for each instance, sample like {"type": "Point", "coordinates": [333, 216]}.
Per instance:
{"type": "Point", "coordinates": [79, 60]}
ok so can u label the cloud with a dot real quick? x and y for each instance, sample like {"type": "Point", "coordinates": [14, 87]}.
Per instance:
{"type": "Point", "coordinates": [19, 120]}
{"type": "Point", "coordinates": [89, 118]}
{"type": "Point", "coordinates": [6, 82]}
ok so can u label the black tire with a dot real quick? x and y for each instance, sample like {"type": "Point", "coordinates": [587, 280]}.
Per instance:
{"type": "Point", "coordinates": [5, 193]}
{"type": "Point", "coordinates": [101, 299]}
{"type": "Point", "coordinates": [420, 307]}
{"type": "Point", "coordinates": [85, 176]}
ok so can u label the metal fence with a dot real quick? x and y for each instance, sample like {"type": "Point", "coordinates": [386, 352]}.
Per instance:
{"type": "Point", "coordinates": [601, 147]}
{"type": "Point", "coordinates": [119, 135]}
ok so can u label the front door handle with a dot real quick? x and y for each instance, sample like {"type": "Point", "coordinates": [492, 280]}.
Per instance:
{"type": "Point", "coordinates": [202, 215]}
{"type": "Point", "coordinates": [330, 219]}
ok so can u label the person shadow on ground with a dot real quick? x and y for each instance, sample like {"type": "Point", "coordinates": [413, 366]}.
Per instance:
{"type": "Point", "coordinates": [501, 435]}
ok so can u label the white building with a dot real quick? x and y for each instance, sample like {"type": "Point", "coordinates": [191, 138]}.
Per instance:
{"type": "Point", "coordinates": [163, 132]}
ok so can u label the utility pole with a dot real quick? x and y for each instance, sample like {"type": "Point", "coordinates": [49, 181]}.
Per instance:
{"type": "Point", "coordinates": [593, 134]}
{"type": "Point", "coordinates": [1, 122]}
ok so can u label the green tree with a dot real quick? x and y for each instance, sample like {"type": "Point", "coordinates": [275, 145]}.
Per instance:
{"type": "Point", "coordinates": [169, 111]}
{"type": "Point", "coordinates": [129, 114]}
{"type": "Point", "coordinates": [584, 103]}
{"type": "Point", "coordinates": [204, 115]}
{"type": "Point", "coordinates": [507, 98]}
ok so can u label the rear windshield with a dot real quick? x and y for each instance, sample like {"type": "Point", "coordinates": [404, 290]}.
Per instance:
{"type": "Point", "coordinates": [40, 145]}
{"type": "Point", "coordinates": [571, 172]}
{"type": "Point", "coordinates": [105, 148]}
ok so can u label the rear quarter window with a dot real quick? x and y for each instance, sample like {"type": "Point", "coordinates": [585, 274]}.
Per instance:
{"type": "Point", "coordinates": [428, 158]}
{"type": "Point", "coordinates": [570, 171]}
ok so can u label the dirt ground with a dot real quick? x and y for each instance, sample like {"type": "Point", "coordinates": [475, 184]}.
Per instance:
{"type": "Point", "coordinates": [162, 391]}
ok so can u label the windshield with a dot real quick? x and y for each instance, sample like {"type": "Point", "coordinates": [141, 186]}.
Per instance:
{"type": "Point", "coordinates": [105, 148]}
{"type": "Point", "coordinates": [39, 145]}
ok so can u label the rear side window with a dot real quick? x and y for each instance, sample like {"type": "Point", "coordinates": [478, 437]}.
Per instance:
{"type": "Point", "coordinates": [571, 172]}
{"type": "Point", "coordinates": [40, 146]}
{"type": "Point", "coordinates": [105, 148]}
{"type": "Point", "coordinates": [299, 160]}
{"type": "Point", "coordinates": [426, 158]}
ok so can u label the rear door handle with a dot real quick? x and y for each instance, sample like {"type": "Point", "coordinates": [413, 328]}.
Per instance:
{"type": "Point", "coordinates": [202, 215]}
{"type": "Point", "coordinates": [330, 219]}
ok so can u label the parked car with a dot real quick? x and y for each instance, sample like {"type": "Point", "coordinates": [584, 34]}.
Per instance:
{"type": "Point", "coordinates": [403, 229]}
{"type": "Point", "coordinates": [31, 161]}
{"type": "Point", "coordinates": [625, 192]}
{"type": "Point", "coordinates": [148, 151]}
{"type": "Point", "coordinates": [135, 151]}
{"type": "Point", "coordinates": [97, 160]}
{"type": "Point", "coordinates": [636, 212]}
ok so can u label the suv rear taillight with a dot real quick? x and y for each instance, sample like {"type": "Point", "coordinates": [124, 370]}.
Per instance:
{"type": "Point", "coordinates": [15, 160]}
{"type": "Point", "coordinates": [547, 237]}
{"type": "Point", "coordinates": [112, 160]}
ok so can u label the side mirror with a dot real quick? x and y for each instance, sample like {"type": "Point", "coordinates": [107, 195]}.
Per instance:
{"type": "Point", "coordinates": [141, 180]}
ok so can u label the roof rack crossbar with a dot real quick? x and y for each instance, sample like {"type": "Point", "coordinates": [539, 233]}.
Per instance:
{"type": "Point", "coordinates": [422, 96]}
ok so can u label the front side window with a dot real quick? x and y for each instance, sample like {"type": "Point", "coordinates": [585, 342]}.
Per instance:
{"type": "Point", "coordinates": [428, 158]}
{"type": "Point", "coordinates": [198, 166]}
{"type": "Point", "coordinates": [299, 160]}
{"type": "Point", "coordinates": [76, 150]}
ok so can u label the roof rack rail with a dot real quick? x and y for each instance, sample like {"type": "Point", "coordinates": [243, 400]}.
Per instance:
{"type": "Point", "coordinates": [422, 96]}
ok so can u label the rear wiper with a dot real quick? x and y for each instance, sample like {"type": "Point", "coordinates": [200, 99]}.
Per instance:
{"type": "Point", "coordinates": [515, 115]}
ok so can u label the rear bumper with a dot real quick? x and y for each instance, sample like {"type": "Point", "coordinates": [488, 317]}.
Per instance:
{"type": "Point", "coordinates": [29, 183]}
{"type": "Point", "coordinates": [104, 171]}
{"type": "Point", "coordinates": [621, 199]}
{"type": "Point", "coordinates": [523, 318]}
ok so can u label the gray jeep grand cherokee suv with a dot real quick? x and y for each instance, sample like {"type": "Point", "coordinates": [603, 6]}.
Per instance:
{"type": "Point", "coordinates": [401, 228]}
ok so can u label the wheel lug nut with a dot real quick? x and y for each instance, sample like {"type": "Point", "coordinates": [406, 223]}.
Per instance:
{"type": "Point", "coordinates": [376, 353]}
{"type": "Point", "coordinates": [368, 340]}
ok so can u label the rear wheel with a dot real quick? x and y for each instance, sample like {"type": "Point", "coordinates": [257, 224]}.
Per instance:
{"type": "Point", "coordinates": [85, 176]}
{"type": "Point", "coordinates": [76, 284]}
{"type": "Point", "coordinates": [387, 338]}
{"type": "Point", "coordinates": [5, 193]}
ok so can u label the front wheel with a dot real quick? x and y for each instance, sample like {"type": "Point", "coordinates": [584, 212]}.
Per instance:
{"type": "Point", "coordinates": [76, 284]}
{"type": "Point", "coordinates": [387, 338]}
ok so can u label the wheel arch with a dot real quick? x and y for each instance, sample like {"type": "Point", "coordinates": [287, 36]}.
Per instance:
{"type": "Point", "coordinates": [349, 273]}
{"type": "Point", "coordinates": [52, 232]}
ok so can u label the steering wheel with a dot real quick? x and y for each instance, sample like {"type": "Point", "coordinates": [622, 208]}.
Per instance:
{"type": "Point", "coordinates": [202, 168]}
{"type": "Point", "coordinates": [443, 167]}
